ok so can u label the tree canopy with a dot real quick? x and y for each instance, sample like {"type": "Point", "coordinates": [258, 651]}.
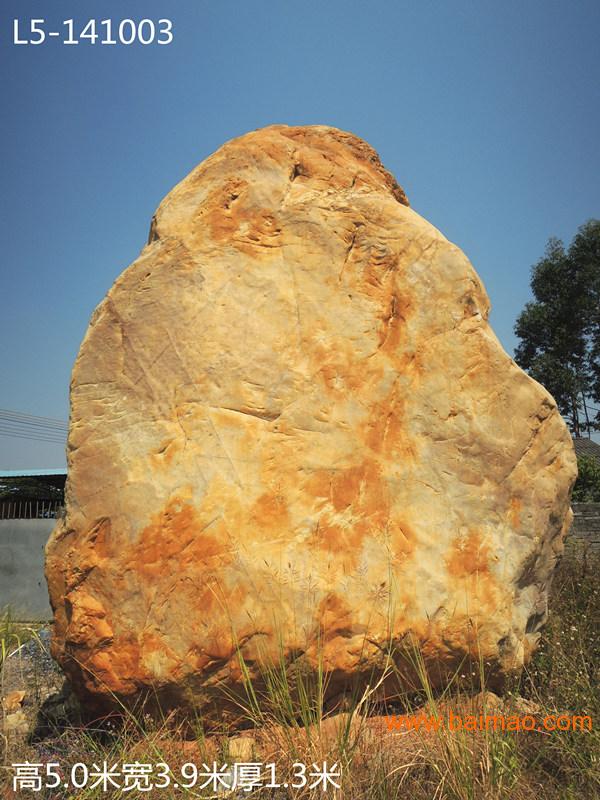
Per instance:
{"type": "Point", "coordinates": [559, 330]}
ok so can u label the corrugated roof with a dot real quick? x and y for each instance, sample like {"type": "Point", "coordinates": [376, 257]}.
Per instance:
{"type": "Point", "coordinates": [30, 473]}
{"type": "Point", "coordinates": [587, 447]}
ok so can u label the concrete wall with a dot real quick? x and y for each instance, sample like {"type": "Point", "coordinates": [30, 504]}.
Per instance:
{"type": "Point", "coordinates": [22, 581]}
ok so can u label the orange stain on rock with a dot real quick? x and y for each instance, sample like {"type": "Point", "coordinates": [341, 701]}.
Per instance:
{"type": "Point", "coordinates": [394, 323]}
{"type": "Point", "coordinates": [368, 489]}
{"type": "Point", "coordinates": [385, 431]}
{"type": "Point", "coordinates": [113, 669]}
{"type": "Point", "coordinates": [339, 376]}
{"type": "Point", "coordinates": [345, 487]}
{"type": "Point", "coordinates": [355, 504]}
{"type": "Point", "coordinates": [177, 533]}
{"type": "Point", "coordinates": [404, 537]}
{"type": "Point", "coordinates": [514, 512]}
{"type": "Point", "coordinates": [335, 615]}
{"type": "Point", "coordinates": [478, 590]}
{"type": "Point", "coordinates": [361, 488]}
{"type": "Point", "coordinates": [332, 164]}
{"type": "Point", "coordinates": [234, 219]}
{"type": "Point", "coordinates": [166, 452]}
{"type": "Point", "coordinates": [270, 513]}
{"type": "Point", "coordinates": [469, 556]}
{"type": "Point", "coordinates": [343, 540]}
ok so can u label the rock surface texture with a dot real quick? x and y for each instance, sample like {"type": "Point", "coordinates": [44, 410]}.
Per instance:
{"type": "Point", "coordinates": [295, 437]}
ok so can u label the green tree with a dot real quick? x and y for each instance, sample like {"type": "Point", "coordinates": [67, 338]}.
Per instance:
{"type": "Point", "coordinates": [587, 485]}
{"type": "Point", "coordinates": [559, 330]}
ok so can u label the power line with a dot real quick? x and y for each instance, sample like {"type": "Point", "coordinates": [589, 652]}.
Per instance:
{"type": "Point", "coordinates": [31, 427]}
{"type": "Point", "coordinates": [33, 438]}
{"type": "Point", "coordinates": [21, 415]}
{"type": "Point", "coordinates": [7, 423]}
{"type": "Point", "coordinates": [18, 425]}
{"type": "Point", "coordinates": [29, 421]}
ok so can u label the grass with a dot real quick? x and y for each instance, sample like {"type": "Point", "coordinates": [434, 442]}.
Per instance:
{"type": "Point", "coordinates": [287, 725]}
{"type": "Point", "coordinates": [13, 634]}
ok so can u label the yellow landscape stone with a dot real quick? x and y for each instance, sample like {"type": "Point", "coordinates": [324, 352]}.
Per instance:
{"type": "Point", "coordinates": [295, 436]}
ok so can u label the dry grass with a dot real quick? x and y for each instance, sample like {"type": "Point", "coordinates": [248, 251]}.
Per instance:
{"type": "Point", "coordinates": [290, 727]}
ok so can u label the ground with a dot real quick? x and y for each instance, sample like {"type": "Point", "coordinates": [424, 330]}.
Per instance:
{"type": "Point", "coordinates": [369, 750]}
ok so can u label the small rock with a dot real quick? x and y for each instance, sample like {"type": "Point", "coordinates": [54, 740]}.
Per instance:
{"type": "Point", "coordinates": [13, 701]}
{"type": "Point", "coordinates": [241, 748]}
{"type": "Point", "coordinates": [16, 723]}
{"type": "Point", "coordinates": [524, 706]}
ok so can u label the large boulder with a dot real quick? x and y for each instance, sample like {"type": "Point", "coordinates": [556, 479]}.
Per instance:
{"type": "Point", "coordinates": [295, 439]}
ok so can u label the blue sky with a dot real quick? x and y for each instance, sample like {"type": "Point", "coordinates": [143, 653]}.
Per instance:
{"type": "Point", "coordinates": [488, 114]}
